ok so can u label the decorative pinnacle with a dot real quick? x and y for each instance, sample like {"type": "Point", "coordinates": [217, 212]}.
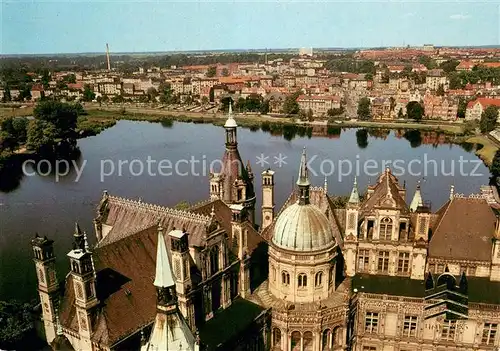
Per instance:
{"type": "Point", "coordinates": [86, 242]}
{"type": "Point", "coordinates": [303, 179]}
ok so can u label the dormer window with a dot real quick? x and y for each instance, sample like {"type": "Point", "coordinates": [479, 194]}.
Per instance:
{"type": "Point", "coordinates": [385, 231]}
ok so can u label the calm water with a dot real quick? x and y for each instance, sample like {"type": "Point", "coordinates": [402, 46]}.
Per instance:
{"type": "Point", "coordinates": [40, 204]}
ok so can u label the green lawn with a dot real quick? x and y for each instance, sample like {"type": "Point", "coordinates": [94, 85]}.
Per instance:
{"type": "Point", "coordinates": [487, 152]}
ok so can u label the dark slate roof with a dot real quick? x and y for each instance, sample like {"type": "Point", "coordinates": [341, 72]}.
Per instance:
{"type": "Point", "coordinates": [388, 285]}
{"type": "Point", "coordinates": [229, 323]}
{"type": "Point", "coordinates": [463, 230]}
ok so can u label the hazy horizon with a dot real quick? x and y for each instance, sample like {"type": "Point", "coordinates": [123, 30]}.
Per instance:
{"type": "Point", "coordinates": [141, 26]}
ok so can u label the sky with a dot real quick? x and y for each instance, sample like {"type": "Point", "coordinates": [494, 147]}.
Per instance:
{"type": "Point", "coordinates": [76, 26]}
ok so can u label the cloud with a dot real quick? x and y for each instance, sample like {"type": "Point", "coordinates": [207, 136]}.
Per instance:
{"type": "Point", "coordinates": [459, 16]}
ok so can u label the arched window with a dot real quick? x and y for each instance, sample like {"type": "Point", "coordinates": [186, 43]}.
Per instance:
{"type": "Point", "coordinates": [40, 276]}
{"type": "Point", "coordinates": [302, 280]}
{"type": "Point", "coordinates": [385, 231]}
{"type": "Point", "coordinates": [308, 341]}
{"type": "Point", "coordinates": [336, 337]}
{"type": "Point", "coordinates": [318, 280]}
{"type": "Point", "coordinates": [285, 278]}
{"type": "Point", "coordinates": [325, 340]}
{"type": "Point", "coordinates": [214, 259]}
{"type": "Point", "coordinates": [295, 341]}
{"type": "Point", "coordinates": [276, 337]}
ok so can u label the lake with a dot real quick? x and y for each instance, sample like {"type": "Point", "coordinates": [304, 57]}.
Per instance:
{"type": "Point", "coordinates": [50, 206]}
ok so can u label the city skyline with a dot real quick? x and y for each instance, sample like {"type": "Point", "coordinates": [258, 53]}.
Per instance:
{"type": "Point", "coordinates": [41, 27]}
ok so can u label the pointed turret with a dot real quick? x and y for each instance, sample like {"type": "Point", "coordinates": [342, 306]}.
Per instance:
{"type": "Point", "coordinates": [230, 122]}
{"type": "Point", "coordinates": [303, 181]}
{"type": "Point", "coordinates": [78, 237]}
{"type": "Point", "coordinates": [417, 199]}
{"type": "Point", "coordinates": [163, 277]}
{"type": "Point", "coordinates": [354, 198]}
{"type": "Point", "coordinates": [452, 192]}
{"type": "Point", "coordinates": [170, 330]}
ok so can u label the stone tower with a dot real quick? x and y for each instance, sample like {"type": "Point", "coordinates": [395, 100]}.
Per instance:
{"type": "Point", "coordinates": [48, 286]}
{"type": "Point", "coordinates": [267, 198]}
{"type": "Point", "coordinates": [234, 183]}
{"type": "Point", "coordinates": [84, 284]}
{"type": "Point", "coordinates": [181, 263]}
{"type": "Point", "coordinates": [351, 231]}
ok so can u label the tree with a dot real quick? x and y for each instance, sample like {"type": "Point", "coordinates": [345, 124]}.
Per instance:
{"type": "Point", "coordinates": [427, 62]}
{"type": "Point", "coordinates": [488, 119]}
{"type": "Point", "coordinates": [204, 100]}
{"type": "Point", "coordinates": [264, 107]}
{"type": "Point", "coordinates": [495, 165]}
{"type": "Point", "coordinates": [369, 76]}
{"type": "Point", "coordinates": [414, 110]}
{"type": "Point", "coordinates": [335, 112]}
{"type": "Point", "coordinates": [16, 322]}
{"type": "Point", "coordinates": [364, 109]}
{"type": "Point", "coordinates": [310, 115]}
{"type": "Point", "coordinates": [290, 105]}
{"type": "Point", "coordinates": [88, 95]}
{"type": "Point", "coordinates": [440, 90]}
{"type": "Point", "coordinates": [211, 72]}
{"type": "Point", "coordinates": [225, 72]}
{"type": "Point", "coordinates": [362, 138]}
{"type": "Point", "coordinates": [182, 205]}
{"type": "Point", "coordinates": [152, 93]}
{"type": "Point", "coordinates": [62, 116]}
{"type": "Point", "coordinates": [400, 113]}
{"type": "Point", "coordinates": [449, 66]}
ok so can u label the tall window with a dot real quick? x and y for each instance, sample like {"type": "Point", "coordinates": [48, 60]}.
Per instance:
{"type": "Point", "coordinates": [489, 333]}
{"type": "Point", "coordinates": [352, 221]}
{"type": "Point", "coordinates": [371, 322]}
{"type": "Point", "coordinates": [449, 328]}
{"type": "Point", "coordinates": [41, 276]}
{"type": "Point", "coordinates": [285, 278]}
{"type": "Point", "coordinates": [302, 280]}
{"type": "Point", "coordinates": [385, 231]}
{"type": "Point", "coordinates": [404, 262]}
{"type": "Point", "coordinates": [363, 260]}
{"type": "Point", "coordinates": [383, 261]}
{"type": "Point", "coordinates": [318, 279]}
{"type": "Point", "coordinates": [214, 260]}
{"type": "Point", "coordinates": [471, 271]}
{"type": "Point", "coordinates": [432, 267]}
{"type": "Point", "coordinates": [410, 326]}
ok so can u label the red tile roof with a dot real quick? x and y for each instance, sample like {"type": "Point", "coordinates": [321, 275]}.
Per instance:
{"type": "Point", "coordinates": [485, 102]}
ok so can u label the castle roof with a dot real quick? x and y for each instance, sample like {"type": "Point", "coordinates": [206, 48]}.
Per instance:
{"type": "Point", "coordinates": [463, 230]}
{"type": "Point", "coordinates": [385, 194]}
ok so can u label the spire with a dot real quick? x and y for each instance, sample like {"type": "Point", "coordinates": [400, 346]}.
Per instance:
{"type": "Point", "coordinates": [452, 192]}
{"type": "Point", "coordinates": [303, 180]}
{"type": "Point", "coordinates": [79, 237]}
{"type": "Point", "coordinates": [354, 198]}
{"type": "Point", "coordinates": [230, 122]}
{"type": "Point", "coordinates": [417, 199]}
{"type": "Point", "coordinates": [325, 187]}
{"type": "Point", "coordinates": [163, 277]}
{"type": "Point", "coordinates": [249, 167]}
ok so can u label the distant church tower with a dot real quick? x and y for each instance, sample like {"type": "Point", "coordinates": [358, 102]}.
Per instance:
{"type": "Point", "coordinates": [48, 286]}
{"type": "Point", "coordinates": [234, 184]}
